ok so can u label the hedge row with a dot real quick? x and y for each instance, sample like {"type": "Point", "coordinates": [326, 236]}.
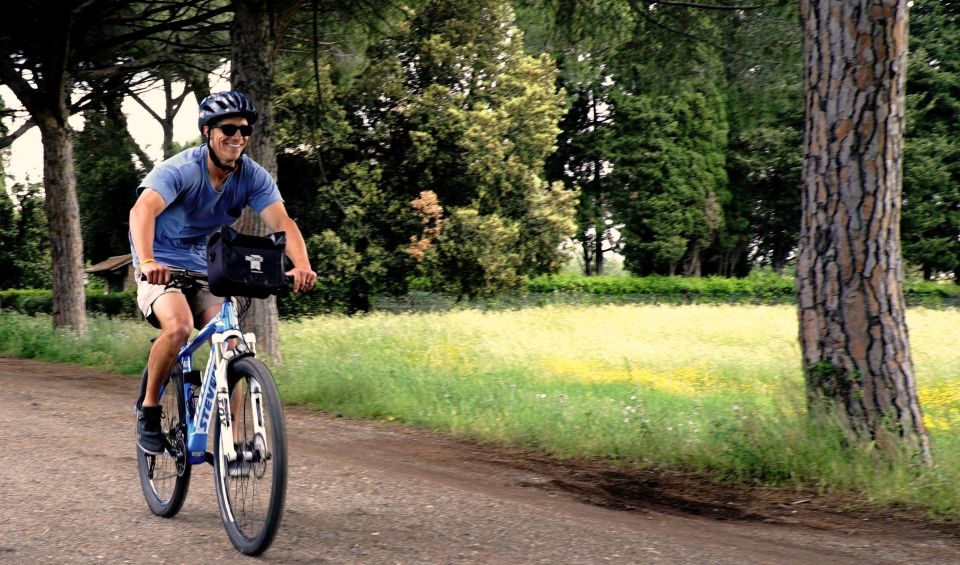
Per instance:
{"type": "Point", "coordinates": [36, 301]}
{"type": "Point", "coordinates": [566, 289]}
{"type": "Point", "coordinates": [124, 304]}
{"type": "Point", "coordinates": [762, 289]}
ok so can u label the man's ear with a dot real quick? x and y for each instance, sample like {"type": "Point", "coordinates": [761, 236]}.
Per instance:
{"type": "Point", "coordinates": [205, 132]}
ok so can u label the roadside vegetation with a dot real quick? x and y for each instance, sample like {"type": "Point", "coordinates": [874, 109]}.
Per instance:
{"type": "Point", "coordinates": [713, 389]}
{"type": "Point", "coordinates": [760, 287]}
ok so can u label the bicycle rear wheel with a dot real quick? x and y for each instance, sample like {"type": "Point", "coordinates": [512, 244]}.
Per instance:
{"type": "Point", "coordinates": [251, 494]}
{"type": "Point", "coordinates": [165, 478]}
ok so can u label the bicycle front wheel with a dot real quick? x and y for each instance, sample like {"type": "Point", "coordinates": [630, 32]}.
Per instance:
{"type": "Point", "coordinates": [165, 478]}
{"type": "Point", "coordinates": [251, 490]}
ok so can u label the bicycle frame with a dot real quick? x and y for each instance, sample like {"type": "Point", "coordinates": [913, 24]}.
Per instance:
{"type": "Point", "coordinates": [249, 447]}
{"type": "Point", "coordinates": [214, 389]}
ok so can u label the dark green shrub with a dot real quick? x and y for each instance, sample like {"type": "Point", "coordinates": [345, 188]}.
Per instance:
{"type": "Point", "coordinates": [765, 288]}
{"type": "Point", "coordinates": [40, 301]}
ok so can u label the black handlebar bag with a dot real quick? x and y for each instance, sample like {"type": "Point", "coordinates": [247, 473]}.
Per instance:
{"type": "Point", "coordinates": [245, 265]}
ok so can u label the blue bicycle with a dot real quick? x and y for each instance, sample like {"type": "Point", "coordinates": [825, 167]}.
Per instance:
{"type": "Point", "coordinates": [237, 398]}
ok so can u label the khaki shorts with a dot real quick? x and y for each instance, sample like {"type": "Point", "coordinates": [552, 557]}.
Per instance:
{"type": "Point", "coordinates": [147, 293]}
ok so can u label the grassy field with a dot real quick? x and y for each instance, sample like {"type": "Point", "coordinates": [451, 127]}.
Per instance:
{"type": "Point", "coordinates": [710, 389]}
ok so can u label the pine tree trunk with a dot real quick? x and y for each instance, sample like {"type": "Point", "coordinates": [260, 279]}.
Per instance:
{"type": "Point", "coordinates": [586, 252]}
{"type": "Point", "coordinates": [258, 27]}
{"type": "Point", "coordinates": [599, 227]}
{"type": "Point", "coordinates": [63, 217]}
{"type": "Point", "coordinates": [691, 267]}
{"type": "Point", "coordinates": [853, 332]}
{"type": "Point", "coordinates": [598, 248]}
{"type": "Point", "coordinates": [166, 123]}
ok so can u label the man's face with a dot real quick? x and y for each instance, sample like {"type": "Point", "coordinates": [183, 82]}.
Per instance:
{"type": "Point", "coordinates": [228, 148]}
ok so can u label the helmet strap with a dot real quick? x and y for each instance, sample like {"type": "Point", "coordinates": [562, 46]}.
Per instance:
{"type": "Point", "coordinates": [216, 160]}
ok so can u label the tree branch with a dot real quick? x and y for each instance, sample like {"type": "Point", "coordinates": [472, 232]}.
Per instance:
{"type": "Point", "coordinates": [12, 77]}
{"type": "Point", "coordinates": [7, 140]}
{"type": "Point", "coordinates": [171, 25]}
{"type": "Point", "coordinates": [102, 73]}
{"type": "Point", "coordinates": [177, 101]}
{"type": "Point", "coordinates": [645, 15]}
{"type": "Point", "coordinates": [144, 105]}
{"type": "Point", "coordinates": [699, 6]}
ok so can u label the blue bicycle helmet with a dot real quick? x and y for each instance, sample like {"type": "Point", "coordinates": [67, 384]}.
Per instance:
{"type": "Point", "coordinates": [222, 104]}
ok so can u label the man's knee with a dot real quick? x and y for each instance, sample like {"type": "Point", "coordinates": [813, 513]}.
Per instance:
{"type": "Point", "coordinates": [173, 313]}
{"type": "Point", "coordinates": [177, 330]}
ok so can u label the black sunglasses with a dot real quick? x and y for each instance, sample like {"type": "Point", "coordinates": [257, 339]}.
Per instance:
{"type": "Point", "coordinates": [229, 129]}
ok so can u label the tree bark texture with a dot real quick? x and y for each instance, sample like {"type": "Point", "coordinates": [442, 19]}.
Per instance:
{"type": "Point", "coordinates": [170, 108]}
{"type": "Point", "coordinates": [63, 219]}
{"type": "Point", "coordinates": [853, 332]}
{"type": "Point", "coordinates": [258, 27]}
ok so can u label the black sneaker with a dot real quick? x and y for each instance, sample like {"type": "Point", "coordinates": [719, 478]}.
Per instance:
{"type": "Point", "coordinates": [149, 434]}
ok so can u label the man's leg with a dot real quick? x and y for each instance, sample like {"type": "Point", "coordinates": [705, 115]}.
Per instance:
{"type": "Point", "coordinates": [173, 314]}
{"type": "Point", "coordinates": [176, 322]}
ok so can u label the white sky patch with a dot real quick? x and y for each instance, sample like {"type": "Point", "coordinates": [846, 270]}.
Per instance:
{"type": "Point", "coordinates": [23, 161]}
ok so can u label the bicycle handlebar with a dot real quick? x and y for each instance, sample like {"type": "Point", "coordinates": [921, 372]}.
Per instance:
{"type": "Point", "coordinates": [185, 279]}
{"type": "Point", "coordinates": [180, 278]}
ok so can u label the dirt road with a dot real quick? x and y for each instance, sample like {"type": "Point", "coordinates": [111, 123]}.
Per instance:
{"type": "Point", "coordinates": [369, 493]}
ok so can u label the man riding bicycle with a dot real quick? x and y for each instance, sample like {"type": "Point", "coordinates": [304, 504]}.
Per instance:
{"type": "Point", "coordinates": [180, 203]}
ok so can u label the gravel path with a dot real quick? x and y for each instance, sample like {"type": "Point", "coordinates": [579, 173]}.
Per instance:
{"type": "Point", "coordinates": [359, 492]}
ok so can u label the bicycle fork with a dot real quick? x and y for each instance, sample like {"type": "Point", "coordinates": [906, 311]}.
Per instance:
{"type": "Point", "coordinates": [214, 392]}
{"type": "Point", "coordinates": [225, 406]}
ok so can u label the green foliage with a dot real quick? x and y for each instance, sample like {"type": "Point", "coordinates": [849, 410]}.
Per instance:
{"type": "Point", "coordinates": [670, 163]}
{"type": "Point", "coordinates": [8, 240]}
{"type": "Point", "coordinates": [111, 344]}
{"type": "Point", "coordinates": [764, 288]}
{"type": "Point", "coordinates": [765, 110]}
{"type": "Point", "coordinates": [28, 301]}
{"type": "Point", "coordinates": [715, 390]}
{"type": "Point", "coordinates": [338, 268]}
{"type": "Point", "coordinates": [746, 64]}
{"type": "Point", "coordinates": [764, 166]}
{"type": "Point", "coordinates": [40, 301]}
{"type": "Point", "coordinates": [24, 241]}
{"type": "Point", "coordinates": [708, 389]}
{"type": "Point", "coordinates": [476, 137]}
{"type": "Point", "coordinates": [931, 168]}
{"type": "Point", "coordinates": [106, 181]}
{"type": "Point", "coordinates": [309, 115]}
{"type": "Point", "coordinates": [445, 138]}
{"type": "Point", "coordinates": [478, 257]}
{"type": "Point", "coordinates": [361, 227]}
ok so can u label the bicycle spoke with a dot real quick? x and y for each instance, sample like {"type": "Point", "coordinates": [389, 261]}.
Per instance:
{"type": "Point", "coordinates": [164, 478]}
{"type": "Point", "coordinates": [251, 489]}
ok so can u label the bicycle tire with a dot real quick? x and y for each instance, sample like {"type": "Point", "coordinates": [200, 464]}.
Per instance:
{"type": "Point", "coordinates": [251, 504]}
{"type": "Point", "coordinates": [165, 479]}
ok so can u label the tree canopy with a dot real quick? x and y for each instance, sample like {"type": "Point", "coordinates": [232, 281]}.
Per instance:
{"type": "Point", "coordinates": [461, 145]}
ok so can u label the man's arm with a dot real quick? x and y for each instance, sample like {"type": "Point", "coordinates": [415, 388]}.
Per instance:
{"type": "Point", "coordinates": [143, 221]}
{"type": "Point", "coordinates": [277, 219]}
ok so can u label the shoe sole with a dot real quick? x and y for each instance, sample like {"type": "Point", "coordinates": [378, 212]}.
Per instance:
{"type": "Point", "coordinates": [149, 451]}
{"type": "Point", "coordinates": [136, 414]}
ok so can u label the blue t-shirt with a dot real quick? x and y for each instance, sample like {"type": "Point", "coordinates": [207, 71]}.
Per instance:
{"type": "Point", "coordinates": [194, 210]}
